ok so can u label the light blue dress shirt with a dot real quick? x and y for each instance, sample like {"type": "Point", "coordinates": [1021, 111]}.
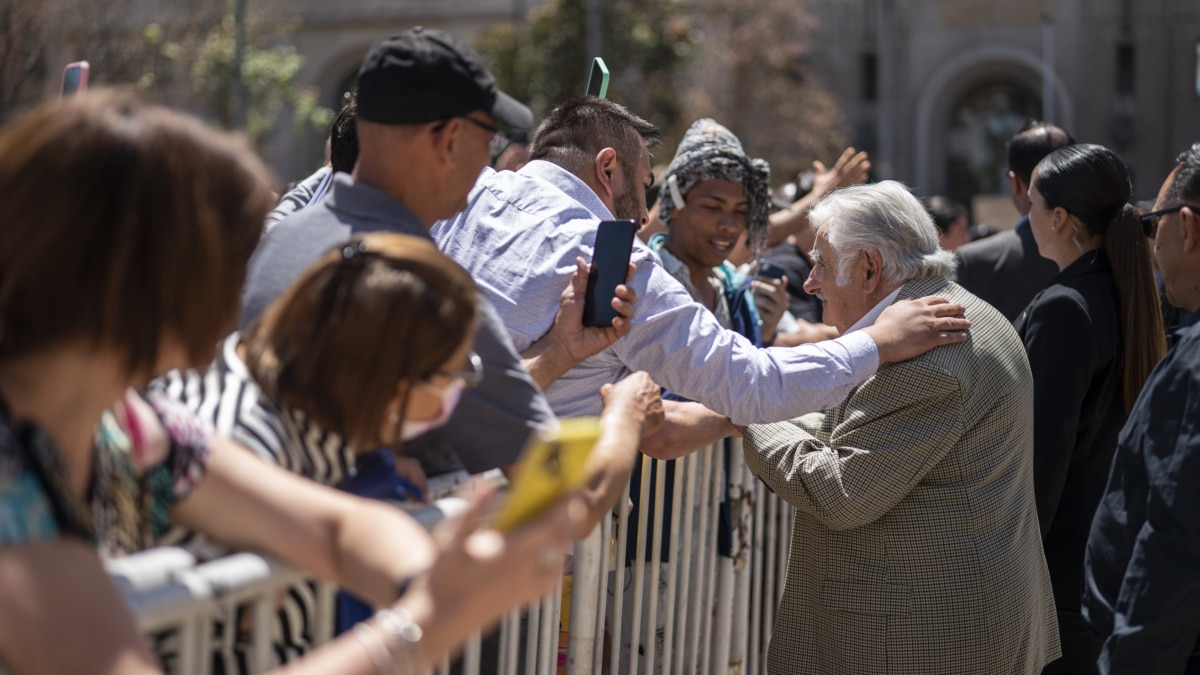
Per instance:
{"type": "Point", "coordinates": [519, 237]}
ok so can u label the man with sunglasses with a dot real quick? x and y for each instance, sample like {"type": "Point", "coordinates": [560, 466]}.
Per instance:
{"type": "Point", "coordinates": [1142, 566]}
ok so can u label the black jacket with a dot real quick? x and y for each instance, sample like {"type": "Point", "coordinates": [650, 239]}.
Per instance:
{"type": "Point", "coordinates": [1072, 335]}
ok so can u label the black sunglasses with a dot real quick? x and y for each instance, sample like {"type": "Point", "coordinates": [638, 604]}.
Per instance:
{"type": "Point", "coordinates": [1150, 220]}
{"type": "Point", "coordinates": [497, 144]}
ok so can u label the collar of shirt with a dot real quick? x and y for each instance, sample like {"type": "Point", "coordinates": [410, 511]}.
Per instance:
{"type": "Point", "coordinates": [870, 317]}
{"type": "Point", "coordinates": [569, 183]}
{"type": "Point", "coordinates": [1022, 224]}
{"type": "Point", "coordinates": [676, 268]}
{"type": "Point", "coordinates": [362, 203]}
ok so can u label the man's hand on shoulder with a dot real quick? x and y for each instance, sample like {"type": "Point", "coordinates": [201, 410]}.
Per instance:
{"type": "Point", "coordinates": [569, 342]}
{"type": "Point", "coordinates": [910, 328]}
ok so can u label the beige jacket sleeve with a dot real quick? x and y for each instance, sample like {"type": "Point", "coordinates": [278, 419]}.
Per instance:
{"type": "Point", "coordinates": [867, 454]}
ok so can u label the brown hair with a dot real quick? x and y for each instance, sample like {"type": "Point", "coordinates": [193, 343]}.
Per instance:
{"type": "Point", "coordinates": [1092, 183]}
{"type": "Point", "coordinates": [378, 310]}
{"type": "Point", "coordinates": [576, 131]}
{"type": "Point", "coordinates": [123, 222]}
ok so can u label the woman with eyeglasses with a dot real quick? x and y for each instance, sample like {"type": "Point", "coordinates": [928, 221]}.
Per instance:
{"type": "Point", "coordinates": [369, 348]}
{"type": "Point", "coordinates": [125, 233]}
{"type": "Point", "coordinates": [1092, 337]}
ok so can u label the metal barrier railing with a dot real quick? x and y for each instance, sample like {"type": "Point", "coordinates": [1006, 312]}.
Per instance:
{"type": "Point", "coordinates": [717, 609]}
{"type": "Point", "coordinates": [703, 612]}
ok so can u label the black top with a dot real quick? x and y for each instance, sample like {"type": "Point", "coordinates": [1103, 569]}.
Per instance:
{"type": "Point", "coordinates": [1005, 270]}
{"type": "Point", "coordinates": [1072, 336]}
{"type": "Point", "coordinates": [802, 305]}
{"type": "Point", "coordinates": [1144, 550]}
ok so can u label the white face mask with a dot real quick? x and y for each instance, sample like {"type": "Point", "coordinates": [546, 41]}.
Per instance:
{"type": "Point", "coordinates": [410, 429]}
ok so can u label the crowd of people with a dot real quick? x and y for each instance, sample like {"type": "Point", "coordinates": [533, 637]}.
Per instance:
{"type": "Point", "coordinates": [987, 445]}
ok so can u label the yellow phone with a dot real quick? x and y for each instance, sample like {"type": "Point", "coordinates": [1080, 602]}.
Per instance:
{"type": "Point", "coordinates": [553, 464]}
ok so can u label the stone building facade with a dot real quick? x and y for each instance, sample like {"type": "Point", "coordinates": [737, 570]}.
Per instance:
{"type": "Point", "coordinates": [932, 88]}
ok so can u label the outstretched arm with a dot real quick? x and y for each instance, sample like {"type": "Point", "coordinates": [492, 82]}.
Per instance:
{"type": "Point", "coordinates": [893, 435]}
{"type": "Point", "coordinates": [632, 407]}
{"type": "Point", "coordinates": [569, 342]}
{"type": "Point", "coordinates": [850, 169]}
{"type": "Point", "coordinates": [687, 427]}
{"type": "Point", "coordinates": [910, 328]}
{"type": "Point", "coordinates": [364, 545]}
{"type": "Point", "coordinates": [62, 614]}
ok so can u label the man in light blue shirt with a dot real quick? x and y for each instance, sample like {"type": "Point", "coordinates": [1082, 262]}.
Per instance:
{"type": "Point", "coordinates": [521, 232]}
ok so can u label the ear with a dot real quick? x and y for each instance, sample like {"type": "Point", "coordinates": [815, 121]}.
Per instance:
{"type": "Point", "coordinates": [445, 141]}
{"type": "Point", "coordinates": [606, 168]}
{"type": "Point", "coordinates": [872, 265]}
{"type": "Point", "coordinates": [1017, 186]}
{"type": "Point", "coordinates": [1190, 221]}
{"type": "Point", "coordinates": [1061, 217]}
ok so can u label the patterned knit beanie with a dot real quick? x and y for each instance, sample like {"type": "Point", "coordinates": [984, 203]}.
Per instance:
{"type": "Point", "coordinates": [710, 151]}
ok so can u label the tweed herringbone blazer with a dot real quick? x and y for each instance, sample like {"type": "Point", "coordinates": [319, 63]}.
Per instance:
{"type": "Point", "coordinates": [916, 546]}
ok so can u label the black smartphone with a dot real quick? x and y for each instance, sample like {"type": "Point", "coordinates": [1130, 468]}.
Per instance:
{"type": "Point", "coordinates": [75, 78]}
{"type": "Point", "coordinates": [598, 79]}
{"type": "Point", "coordinates": [769, 270]}
{"type": "Point", "coordinates": [610, 265]}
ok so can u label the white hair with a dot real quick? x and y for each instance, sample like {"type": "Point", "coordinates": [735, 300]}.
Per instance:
{"type": "Point", "coordinates": [885, 217]}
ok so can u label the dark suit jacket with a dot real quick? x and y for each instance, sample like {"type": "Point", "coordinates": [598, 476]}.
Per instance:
{"type": "Point", "coordinates": [1072, 335]}
{"type": "Point", "coordinates": [1005, 270]}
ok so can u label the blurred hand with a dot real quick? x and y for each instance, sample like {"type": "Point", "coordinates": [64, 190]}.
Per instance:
{"type": "Point", "coordinates": [771, 297]}
{"type": "Point", "coordinates": [410, 470]}
{"type": "Point", "coordinates": [910, 328]}
{"type": "Point", "coordinates": [480, 574]}
{"type": "Point", "coordinates": [852, 168]}
{"type": "Point", "coordinates": [635, 396]}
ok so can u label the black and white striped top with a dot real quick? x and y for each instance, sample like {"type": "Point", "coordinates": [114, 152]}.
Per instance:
{"type": "Point", "coordinates": [227, 396]}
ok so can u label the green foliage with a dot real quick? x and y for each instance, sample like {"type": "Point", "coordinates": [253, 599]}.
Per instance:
{"type": "Point", "coordinates": [269, 79]}
{"type": "Point", "coordinates": [742, 62]}
{"type": "Point", "coordinates": [772, 100]}
{"type": "Point", "coordinates": [647, 45]}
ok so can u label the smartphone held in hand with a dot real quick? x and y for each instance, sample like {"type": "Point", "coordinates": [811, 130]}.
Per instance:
{"type": "Point", "coordinates": [552, 465]}
{"type": "Point", "coordinates": [610, 266]}
{"type": "Point", "coordinates": [75, 78]}
{"type": "Point", "coordinates": [769, 270]}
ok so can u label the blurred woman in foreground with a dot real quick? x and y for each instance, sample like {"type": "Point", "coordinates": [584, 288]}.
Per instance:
{"type": "Point", "coordinates": [124, 235]}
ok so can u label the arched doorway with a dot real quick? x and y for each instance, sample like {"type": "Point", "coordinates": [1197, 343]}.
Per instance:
{"type": "Point", "coordinates": [951, 84]}
{"type": "Point", "coordinates": [980, 123]}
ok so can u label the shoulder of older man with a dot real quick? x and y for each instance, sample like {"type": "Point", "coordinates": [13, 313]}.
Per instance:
{"type": "Point", "coordinates": [992, 357]}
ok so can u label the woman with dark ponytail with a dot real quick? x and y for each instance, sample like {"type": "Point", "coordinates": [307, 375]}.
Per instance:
{"type": "Point", "coordinates": [1092, 337]}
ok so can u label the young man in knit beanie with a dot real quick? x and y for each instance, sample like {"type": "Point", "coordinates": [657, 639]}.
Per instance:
{"type": "Point", "coordinates": [714, 194]}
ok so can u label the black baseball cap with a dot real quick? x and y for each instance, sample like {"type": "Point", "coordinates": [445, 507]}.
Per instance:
{"type": "Point", "coordinates": [425, 75]}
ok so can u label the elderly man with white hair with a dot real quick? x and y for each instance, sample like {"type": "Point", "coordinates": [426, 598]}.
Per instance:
{"type": "Point", "coordinates": [915, 547]}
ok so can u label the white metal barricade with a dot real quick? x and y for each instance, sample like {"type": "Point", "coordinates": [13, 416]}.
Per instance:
{"type": "Point", "coordinates": [168, 591]}
{"type": "Point", "coordinates": [692, 610]}
{"type": "Point", "coordinates": [689, 611]}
